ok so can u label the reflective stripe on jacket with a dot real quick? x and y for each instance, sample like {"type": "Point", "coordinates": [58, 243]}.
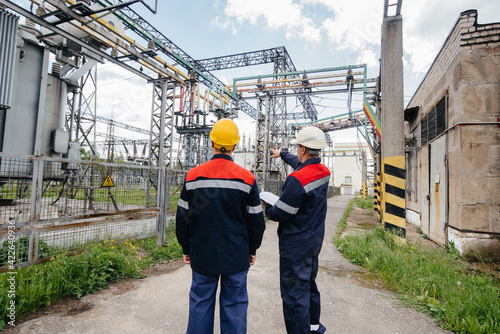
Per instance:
{"type": "Point", "coordinates": [301, 208]}
{"type": "Point", "coordinates": [219, 220]}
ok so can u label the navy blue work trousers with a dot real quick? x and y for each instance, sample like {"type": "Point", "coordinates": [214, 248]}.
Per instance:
{"type": "Point", "coordinates": [300, 295]}
{"type": "Point", "coordinates": [233, 300]}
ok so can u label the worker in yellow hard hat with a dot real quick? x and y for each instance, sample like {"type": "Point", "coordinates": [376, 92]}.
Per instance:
{"type": "Point", "coordinates": [224, 135]}
{"type": "Point", "coordinates": [219, 224]}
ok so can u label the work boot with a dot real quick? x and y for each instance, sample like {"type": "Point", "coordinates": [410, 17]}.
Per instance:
{"type": "Point", "coordinates": [320, 330]}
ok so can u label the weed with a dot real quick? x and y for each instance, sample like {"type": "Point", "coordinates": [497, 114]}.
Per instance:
{"type": "Point", "coordinates": [452, 251]}
{"type": "Point", "coordinates": [343, 221]}
{"type": "Point", "coordinates": [363, 203]}
{"type": "Point", "coordinates": [88, 272]}
{"type": "Point", "coordinates": [429, 281]}
{"type": "Point", "coordinates": [21, 246]}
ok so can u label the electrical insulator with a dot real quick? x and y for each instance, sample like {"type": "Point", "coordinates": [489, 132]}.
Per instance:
{"type": "Point", "coordinates": [151, 45]}
{"type": "Point", "coordinates": [40, 11]}
{"type": "Point", "coordinates": [56, 69]}
{"type": "Point", "coordinates": [372, 99]}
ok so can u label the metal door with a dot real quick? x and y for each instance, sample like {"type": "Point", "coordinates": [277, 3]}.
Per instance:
{"type": "Point", "coordinates": [438, 190]}
{"type": "Point", "coordinates": [423, 188]}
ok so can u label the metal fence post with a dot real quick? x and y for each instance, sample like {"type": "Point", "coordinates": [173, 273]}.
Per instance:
{"type": "Point", "coordinates": [36, 190]}
{"type": "Point", "coordinates": [33, 246]}
{"type": "Point", "coordinates": [161, 198]}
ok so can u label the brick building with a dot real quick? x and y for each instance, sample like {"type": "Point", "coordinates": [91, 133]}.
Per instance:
{"type": "Point", "coordinates": [453, 141]}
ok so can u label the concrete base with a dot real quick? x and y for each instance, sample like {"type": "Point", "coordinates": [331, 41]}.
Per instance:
{"type": "Point", "coordinates": [413, 217]}
{"type": "Point", "coordinates": [475, 244]}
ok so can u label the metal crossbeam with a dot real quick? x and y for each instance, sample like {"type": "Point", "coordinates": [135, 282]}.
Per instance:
{"type": "Point", "coordinates": [264, 57]}
{"type": "Point", "coordinates": [238, 60]}
{"type": "Point", "coordinates": [122, 125]}
{"type": "Point", "coordinates": [387, 5]}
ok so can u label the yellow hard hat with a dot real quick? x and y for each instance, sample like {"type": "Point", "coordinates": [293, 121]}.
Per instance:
{"type": "Point", "coordinates": [225, 135]}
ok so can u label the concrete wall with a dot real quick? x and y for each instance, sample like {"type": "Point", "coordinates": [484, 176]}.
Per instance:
{"type": "Point", "coordinates": [467, 71]}
{"type": "Point", "coordinates": [348, 165]}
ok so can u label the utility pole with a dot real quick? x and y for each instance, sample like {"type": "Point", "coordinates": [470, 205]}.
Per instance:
{"type": "Point", "coordinates": [392, 144]}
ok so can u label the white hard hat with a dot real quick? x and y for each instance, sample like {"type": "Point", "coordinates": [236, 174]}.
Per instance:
{"type": "Point", "coordinates": [310, 137]}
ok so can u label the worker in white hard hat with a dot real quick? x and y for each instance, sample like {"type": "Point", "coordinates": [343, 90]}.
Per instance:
{"type": "Point", "coordinates": [301, 212]}
{"type": "Point", "coordinates": [219, 224]}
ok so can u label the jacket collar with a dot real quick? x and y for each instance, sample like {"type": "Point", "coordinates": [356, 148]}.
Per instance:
{"type": "Point", "coordinates": [309, 162]}
{"type": "Point", "coordinates": [222, 156]}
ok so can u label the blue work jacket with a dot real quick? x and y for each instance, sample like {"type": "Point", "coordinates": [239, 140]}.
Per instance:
{"type": "Point", "coordinates": [301, 208]}
{"type": "Point", "coordinates": [219, 220]}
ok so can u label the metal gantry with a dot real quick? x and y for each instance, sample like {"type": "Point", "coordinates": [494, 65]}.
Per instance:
{"type": "Point", "coordinates": [280, 58]}
{"type": "Point", "coordinates": [270, 90]}
{"type": "Point", "coordinates": [278, 120]}
{"type": "Point", "coordinates": [133, 21]}
{"type": "Point", "coordinates": [80, 36]}
{"type": "Point", "coordinates": [86, 111]}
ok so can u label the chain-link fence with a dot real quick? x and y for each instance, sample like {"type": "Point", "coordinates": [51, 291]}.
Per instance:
{"type": "Point", "coordinates": [51, 205]}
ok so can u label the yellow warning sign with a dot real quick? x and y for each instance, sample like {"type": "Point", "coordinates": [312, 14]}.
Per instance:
{"type": "Point", "coordinates": [107, 182]}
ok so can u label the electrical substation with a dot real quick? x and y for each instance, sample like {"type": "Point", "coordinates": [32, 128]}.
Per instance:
{"type": "Point", "coordinates": [61, 177]}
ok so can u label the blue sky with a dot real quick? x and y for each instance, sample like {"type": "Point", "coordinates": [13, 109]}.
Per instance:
{"type": "Point", "coordinates": [316, 33]}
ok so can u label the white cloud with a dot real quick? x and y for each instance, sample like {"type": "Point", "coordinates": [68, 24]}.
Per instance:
{"type": "Point", "coordinates": [124, 96]}
{"type": "Point", "coordinates": [355, 25]}
{"type": "Point", "coordinates": [368, 57]}
{"type": "Point", "coordinates": [427, 24]}
{"type": "Point", "coordinates": [275, 14]}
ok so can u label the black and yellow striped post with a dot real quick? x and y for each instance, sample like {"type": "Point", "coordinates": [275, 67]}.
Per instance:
{"type": "Point", "coordinates": [392, 144]}
{"type": "Point", "coordinates": [394, 195]}
{"type": "Point", "coordinates": [364, 191]}
{"type": "Point", "coordinates": [376, 195]}
{"type": "Point", "coordinates": [364, 175]}
{"type": "Point", "coordinates": [379, 202]}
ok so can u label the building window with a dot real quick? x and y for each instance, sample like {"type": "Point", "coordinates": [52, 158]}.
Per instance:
{"type": "Point", "coordinates": [348, 179]}
{"type": "Point", "coordinates": [434, 123]}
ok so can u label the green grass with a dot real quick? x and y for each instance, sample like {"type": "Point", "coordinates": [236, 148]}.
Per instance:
{"type": "Point", "coordinates": [21, 246]}
{"type": "Point", "coordinates": [174, 199]}
{"type": "Point", "coordinates": [82, 274]}
{"type": "Point", "coordinates": [363, 203]}
{"type": "Point", "coordinates": [343, 221]}
{"type": "Point", "coordinates": [435, 282]}
{"type": "Point", "coordinates": [121, 195]}
{"type": "Point", "coordinates": [359, 202]}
